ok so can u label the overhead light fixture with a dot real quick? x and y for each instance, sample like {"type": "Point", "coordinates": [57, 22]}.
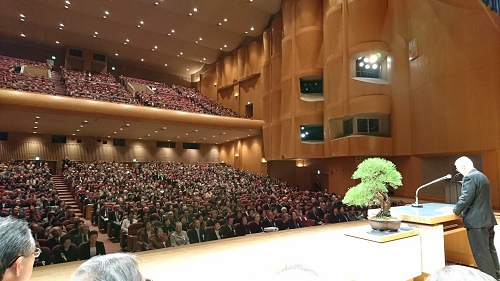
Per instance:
{"type": "Point", "coordinates": [173, 31]}
{"type": "Point", "coordinates": [166, 64]}
{"type": "Point", "coordinates": [156, 3]}
{"type": "Point", "coordinates": [141, 22]}
{"type": "Point", "coordinates": [23, 35]}
{"type": "Point", "coordinates": [169, 34]}
{"type": "Point", "coordinates": [138, 26]}
{"type": "Point", "coordinates": [74, 134]}
{"type": "Point", "coordinates": [142, 59]}
{"type": "Point", "coordinates": [126, 40]}
{"type": "Point", "coordinates": [201, 38]}
{"type": "Point", "coordinates": [53, 57]}
{"type": "Point", "coordinates": [67, 2]}
{"type": "Point", "coordinates": [124, 43]}
{"type": "Point", "coordinates": [61, 25]}
{"type": "Point", "coordinates": [190, 14]}
{"type": "Point", "coordinates": [128, 125]}
{"type": "Point", "coordinates": [196, 10]}
{"type": "Point", "coordinates": [109, 136]}
{"type": "Point", "coordinates": [36, 122]}
{"type": "Point", "coordinates": [361, 64]}
{"type": "Point", "coordinates": [66, 7]}
{"type": "Point", "coordinates": [22, 19]}
{"type": "Point", "coordinates": [35, 127]}
{"type": "Point", "coordinates": [95, 36]}
{"type": "Point", "coordinates": [81, 126]}
{"type": "Point", "coordinates": [225, 19]}
{"type": "Point", "coordinates": [373, 58]}
{"type": "Point", "coordinates": [196, 42]}
{"type": "Point", "coordinates": [156, 131]}
{"type": "Point", "coordinates": [104, 17]}
{"type": "Point", "coordinates": [374, 66]}
{"type": "Point", "coordinates": [116, 54]}
{"type": "Point", "coordinates": [149, 135]}
{"type": "Point", "coordinates": [85, 121]}
{"type": "Point", "coordinates": [225, 46]}
{"type": "Point", "coordinates": [57, 42]}
{"type": "Point", "coordinates": [78, 130]}
{"type": "Point", "coordinates": [22, 15]}
{"type": "Point", "coordinates": [106, 12]}
{"type": "Point", "coordinates": [37, 117]}
{"type": "Point", "coordinates": [246, 32]}
{"type": "Point", "coordinates": [182, 53]}
{"type": "Point", "coordinates": [113, 68]}
{"type": "Point", "coordinates": [220, 23]}
{"type": "Point", "coordinates": [251, 28]}
{"type": "Point", "coordinates": [204, 59]}
{"type": "Point", "coordinates": [121, 129]}
{"type": "Point", "coordinates": [34, 132]}
{"type": "Point", "coordinates": [187, 69]}
{"type": "Point", "coordinates": [60, 28]}
{"type": "Point", "coordinates": [96, 33]}
{"type": "Point", "coordinates": [220, 49]}
{"type": "Point", "coordinates": [156, 47]}
{"type": "Point", "coordinates": [114, 132]}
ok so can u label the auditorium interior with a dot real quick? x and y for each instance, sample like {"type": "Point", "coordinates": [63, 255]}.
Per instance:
{"type": "Point", "coordinates": [298, 91]}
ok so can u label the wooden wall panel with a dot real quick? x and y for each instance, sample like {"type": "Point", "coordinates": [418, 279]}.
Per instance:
{"type": "Point", "coordinates": [207, 81]}
{"type": "Point", "coordinates": [367, 21]}
{"type": "Point", "coordinates": [25, 146]}
{"type": "Point", "coordinates": [254, 57]}
{"type": "Point", "coordinates": [242, 55]}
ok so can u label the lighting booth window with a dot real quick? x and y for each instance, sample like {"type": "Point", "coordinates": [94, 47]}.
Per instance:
{"type": "Point", "coordinates": [368, 67]}
{"type": "Point", "coordinates": [347, 126]}
{"type": "Point", "coordinates": [312, 133]}
{"type": "Point", "coordinates": [368, 125]}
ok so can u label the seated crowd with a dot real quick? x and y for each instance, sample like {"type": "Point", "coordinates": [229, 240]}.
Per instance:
{"type": "Point", "coordinates": [27, 193]}
{"type": "Point", "coordinates": [95, 86]}
{"type": "Point", "coordinates": [11, 78]}
{"type": "Point", "coordinates": [178, 98]}
{"type": "Point", "coordinates": [176, 204]}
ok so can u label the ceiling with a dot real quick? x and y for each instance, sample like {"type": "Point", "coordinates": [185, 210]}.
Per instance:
{"type": "Point", "coordinates": [24, 122]}
{"type": "Point", "coordinates": [198, 36]}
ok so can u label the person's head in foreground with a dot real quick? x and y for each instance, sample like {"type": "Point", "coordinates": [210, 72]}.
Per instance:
{"type": "Point", "coordinates": [297, 272]}
{"type": "Point", "coordinates": [17, 250]}
{"type": "Point", "coordinates": [459, 273]}
{"type": "Point", "coordinates": [112, 267]}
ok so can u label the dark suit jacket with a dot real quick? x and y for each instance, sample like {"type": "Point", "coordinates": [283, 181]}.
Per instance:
{"type": "Point", "coordinates": [211, 235]}
{"type": "Point", "coordinates": [254, 227]}
{"type": "Point", "coordinates": [51, 243]}
{"type": "Point", "coordinates": [283, 225]}
{"type": "Point", "coordinates": [85, 250]}
{"type": "Point", "coordinates": [193, 236]}
{"type": "Point", "coordinates": [321, 214]}
{"type": "Point", "coordinates": [70, 255]}
{"type": "Point", "coordinates": [113, 217]}
{"type": "Point", "coordinates": [474, 202]}
{"type": "Point", "coordinates": [242, 230]}
{"type": "Point", "coordinates": [39, 235]}
{"type": "Point", "coordinates": [78, 239]}
{"type": "Point", "coordinates": [228, 231]}
{"type": "Point", "coordinates": [267, 223]}
{"type": "Point", "coordinates": [292, 224]}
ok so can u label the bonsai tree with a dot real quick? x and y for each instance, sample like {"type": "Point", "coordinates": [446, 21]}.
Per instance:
{"type": "Point", "coordinates": [376, 175]}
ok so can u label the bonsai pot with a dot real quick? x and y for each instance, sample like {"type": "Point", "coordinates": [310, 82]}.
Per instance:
{"type": "Point", "coordinates": [385, 224]}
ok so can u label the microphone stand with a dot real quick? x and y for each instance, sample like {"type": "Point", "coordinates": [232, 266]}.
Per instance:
{"type": "Point", "coordinates": [416, 205]}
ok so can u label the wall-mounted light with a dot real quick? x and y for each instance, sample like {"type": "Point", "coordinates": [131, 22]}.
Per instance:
{"type": "Point", "coordinates": [263, 160]}
{"type": "Point", "coordinates": [300, 163]}
{"type": "Point", "coordinates": [236, 155]}
{"type": "Point", "coordinates": [134, 160]}
{"type": "Point", "coordinates": [236, 94]}
{"type": "Point", "coordinates": [215, 84]}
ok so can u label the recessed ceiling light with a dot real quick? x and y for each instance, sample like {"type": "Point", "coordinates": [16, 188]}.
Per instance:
{"type": "Point", "coordinates": [187, 134]}
{"type": "Point", "coordinates": [23, 35]}
{"type": "Point", "coordinates": [156, 47]}
{"type": "Point", "coordinates": [178, 55]}
{"type": "Point", "coordinates": [35, 127]}
{"type": "Point", "coordinates": [85, 121]}
{"type": "Point", "coordinates": [214, 136]}
{"type": "Point", "coordinates": [78, 130]}
{"type": "Point", "coordinates": [201, 38]}
{"type": "Point", "coordinates": [182, 53]}
{"type": "Point", "coordinates": [57, 42]}
{"type": "Point", "coordinates": [196, 42]}
{"type": "Point", "coordinates": [166, 64]}
{"type": "Point", "coordinates": [104, 17]}
{"type": "Point", "coordinates": [96, 33]}
{"type": "Point", "coordinates": [149, 135]}
{"type": "Point", "coordinates": [36, 122]}
{"type": "Point", "coordinates": [204, 59]}
{"type": "Point", "coordinates": [201, 61]}
{"type": "Point", "coordinates": [193, 141]}
{"type": "Point", "coordinates": [142, 59]}
{"type": "Point", "coordinates": [190, 14]}
{"type": "Point", "coordinates": [156, 131]}
{"type": "Point", "coordinates": [116, 54]}
{"type": "Point", "coordinates": [106, 12]}
{"type": "Point", "coordinates": [139, 138]}
{"type": "Point", "coordinates": [113, 68]}
{"type": "Point", "coordinates": [124, 43]}
{"type": "Point", "coordinates": [138, 26]}
{"type": "Point", "coordinates": [37, 117]}
{"type": "Point", "coordinates": [168, 140]}
{"type": "Point", "coordinates": [220, 49]}
{"type": "Point", "coordinates": [225, 46]}
{"type": "Point", "coordinates": [156, 3]}
{"type": "Point", "coordinates": [225, 19]}
{"type": "Point", "coordinates": [251, 28]}
{"type": "Point", "coordinates": [121, 129]}
{"type": "Point", "coordinates": [196, 10]}
{"type": "Point", "coordinates": [60, 28]}
{"type": "Point", "coordinates": [173, 31]}
{"type": "Point", "coordinates": [246, 32]}
{"type": "Point", "coordinates": [178, 137]}
{"type": "Point", "coordinates": [169, 34]}
{"type": "Point", "coordinates": [95, 36]}
{"type": "Point", "coordinates": [22, 19]}
{"type": "Point", "coordinates": [164, 128]}
{"type": "Point", "coordinates": [126, 40]}
{"type": "Point", "coordinates": [22, 15]}
{"type": "Point", "coordinates": [81, 126]}
{"type": "Point", "coordinates": [187, 69]}
{"type": "Point", "coordinates": [114, 132]}
{"type": "Point", "coordinates": [248, 135]}
{"type": "Point", "coordinates": [66, 7]}
{"type": "Point", "coordinates": [216, 143]}
{"type": "Point", "coordinates": [34, 132]}
{"type": "Point", "coordinates": [128, 125]}
{"type": "Point", "coordinates": [141, 22]}
{"type": "Point", "coordinates": [227, 140]}
{"type": "Point", "coordinates": [196, 130]}
{"type": "Point", "coordinates": [67, 2]}
{"type": "Point", "coordinates": [109, 136]}
{"type": "Point", "coordinates": [220, 23]}
{"type": "Point", "coordinates": [153, 49]}
{"type": "Point", "coordinates": [223, 133]}
{"type": "Point", "coordinates": [62, 25]}
{"type": "Point", "coordinates": [204, 138]}
{"type": "Point", "coordinates": [74, 134]}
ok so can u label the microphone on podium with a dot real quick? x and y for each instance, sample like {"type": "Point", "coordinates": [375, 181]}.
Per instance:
{"type": "Point", "coordinates": [416, 205]}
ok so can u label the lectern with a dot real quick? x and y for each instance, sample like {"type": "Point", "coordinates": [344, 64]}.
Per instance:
{"type": "Point", "coordinates": [442, 234]}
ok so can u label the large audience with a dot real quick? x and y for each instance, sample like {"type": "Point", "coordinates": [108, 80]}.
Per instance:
{"type": "Point", "coordinates": [11, 78]}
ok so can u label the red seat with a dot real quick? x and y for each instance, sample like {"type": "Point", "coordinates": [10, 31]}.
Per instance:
{"type": "Point", "coordinates": [46, 250]}
{"type": "Point", "coordinates": [42, 242]}
{"type": "Point", "coordinates": [133, 230]}
{"type": "Point", "coordinates": [52, 256]}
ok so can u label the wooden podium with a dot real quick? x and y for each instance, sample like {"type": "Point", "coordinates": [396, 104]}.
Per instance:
{"type": "Point", "coordinates": [443, 237]}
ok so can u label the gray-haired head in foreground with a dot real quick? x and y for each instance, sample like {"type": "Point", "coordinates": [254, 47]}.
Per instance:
{"type": "Point", "coordinates": [459, 273]}
{"type": "Point", "coordinates": [112, 267]}
{"type": "Point", "coordinates": [15, 240]}
{"type": "Point", "coordinates": [296, 272]}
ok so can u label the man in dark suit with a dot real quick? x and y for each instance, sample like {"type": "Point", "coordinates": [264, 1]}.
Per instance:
{"type": "Point", "coordinates": [104, 214]}
{"type": "Point", "coordinates": [322, 211]}
{"type": "Point", "coordinates": [228, 229]}
{"type": "Point", "coordinates": [55, 201]}
{"type": "Point", "coordinates": [115, 219]}
{"type": "Point", "coordinates": [56, 237]}
{"type": "Point", "coordinates": [268, 221]}
{"type": "Point", "coordinates": [216, 233]}
{"type": "Point", "coordinates": [196, 234]}
{"type": "Point", "coordinates": [37, 232]}
{"type": "Point", "coordinates": [81, 237]}
{"type": "Point", "coordinates": [92, 248]}
{"type": "Point", "coordinates": [475, 206]}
